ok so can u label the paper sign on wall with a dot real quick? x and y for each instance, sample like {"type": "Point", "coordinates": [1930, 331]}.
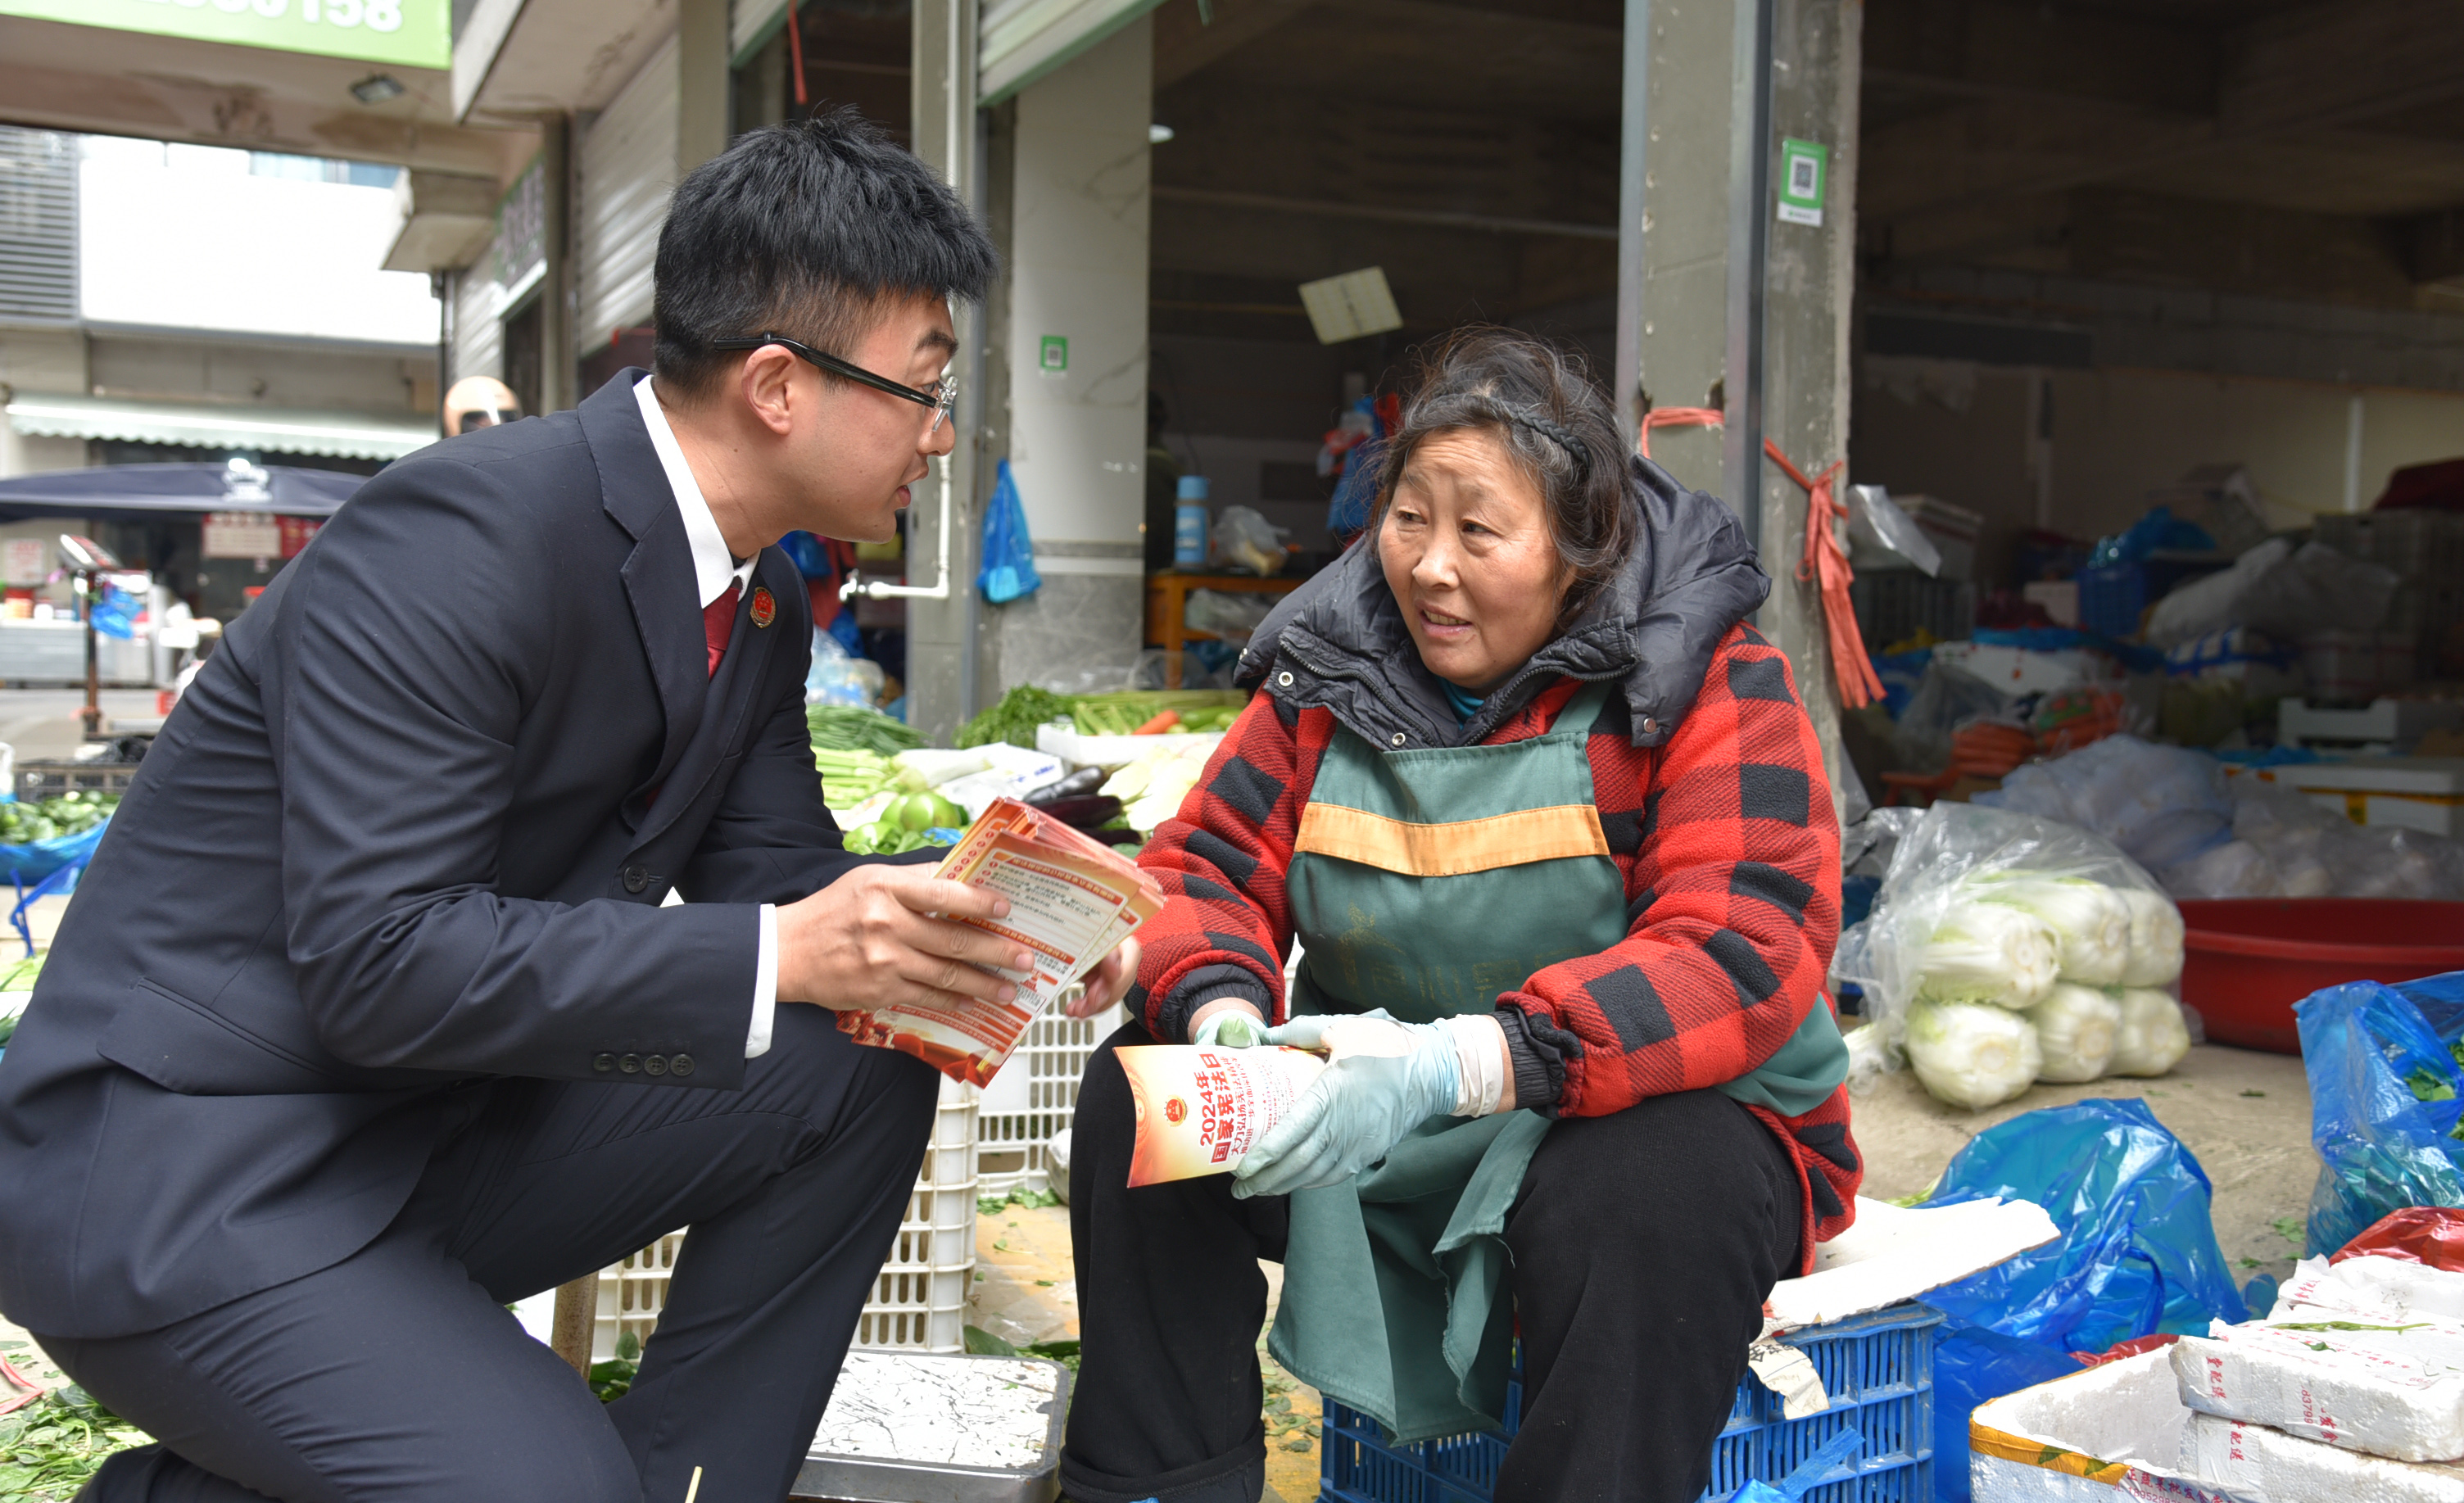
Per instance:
{"type": "Point", "coordinates": [26, 561]}
{"type": "Point", "coordinates": [1803, 165]}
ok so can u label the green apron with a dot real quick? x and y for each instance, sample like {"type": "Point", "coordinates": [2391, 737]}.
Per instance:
{"type": "Point", "coordinates": [1429, 882]}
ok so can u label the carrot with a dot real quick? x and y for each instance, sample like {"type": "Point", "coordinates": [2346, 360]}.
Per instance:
{"type": "Point", "coordinates": [1170, 720]}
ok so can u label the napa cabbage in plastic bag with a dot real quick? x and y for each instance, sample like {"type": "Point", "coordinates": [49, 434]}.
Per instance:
{"type": "Point", "coordinates": [1946, 868]}
{"type": "Point", "coordinates": [2154, 1034]}
{"type": "Point", "coordinates": [2077, 1028]}
{"type": "Point", "coordinates": [2089, 922]}
{"type": "Point", "coordinates": [1970, 1054]}
{"type": "Point", "coordinates": [2384, 1100]}
{"type": "Point", "coordinates": [1987, 952]}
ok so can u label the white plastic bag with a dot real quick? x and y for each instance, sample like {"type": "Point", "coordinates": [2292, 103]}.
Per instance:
{"type": "Point", "coordinates": [2162, 805]}
{"type": "Point", "coordinates": [1954, 862]}
{"type": "Point", "coordinates": [836, 679]}
{"type": "Point", "coordinates": [1244, 538]}
{"type": "Point", "coordinates": [2286, 592]}
{"type": "Point", "coordinates": [1226, 613]}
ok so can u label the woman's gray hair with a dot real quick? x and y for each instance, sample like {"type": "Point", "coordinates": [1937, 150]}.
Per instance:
{"type": "Point", "coordinates": [1540, 401]}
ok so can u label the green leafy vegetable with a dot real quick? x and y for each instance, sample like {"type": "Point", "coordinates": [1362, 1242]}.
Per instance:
{"type": "Point", "coordinates": [49, 1447]}
{"type": "Point", "coordinates": [24, 824]}
{"type": "Point", "coordinates": [852, 727]}
{"type": "Point", "coordinates": [1015, 719]}
{"type": "Point", "coordinates": [2428, 1087]}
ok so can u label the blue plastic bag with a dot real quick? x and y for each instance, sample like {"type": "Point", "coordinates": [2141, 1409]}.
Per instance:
{"type": "Point", "coordinates": [2384, 1090]}
{"type": "Point", "coordinates": [31, 863]}
{"type": "Point", "coordinates": [114, 613]}
{"type": "Point", "coordinates": [2137, 1254]}
{"type": "Point", "coordinates": [1008, 572]}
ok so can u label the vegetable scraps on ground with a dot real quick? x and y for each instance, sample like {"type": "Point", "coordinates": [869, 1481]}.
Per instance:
{"type": "Point", "coordinates": [48, 1449]}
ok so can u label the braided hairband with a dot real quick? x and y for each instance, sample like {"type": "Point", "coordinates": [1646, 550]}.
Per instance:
{"type": "Point", "coordinates": [1556, 433]}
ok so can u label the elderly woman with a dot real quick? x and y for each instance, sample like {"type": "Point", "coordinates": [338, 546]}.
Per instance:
{"type": "Point", "coordinates": [1550, 825]}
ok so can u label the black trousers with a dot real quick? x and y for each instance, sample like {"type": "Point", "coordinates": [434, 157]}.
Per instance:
{"type": "Point", "coordinates": [1643, 1244]}
{"type": "Point", "coordinates": [398, 1374]}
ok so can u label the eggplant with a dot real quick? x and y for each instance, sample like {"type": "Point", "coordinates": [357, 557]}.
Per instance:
{"type": "Point", "coordinates": [1086, 779]}
{"type": "Point", "coordinates": [1086, 811]}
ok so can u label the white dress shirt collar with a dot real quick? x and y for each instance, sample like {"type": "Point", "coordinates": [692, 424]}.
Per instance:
{"type": "Point", "coordinates": [715, 568]}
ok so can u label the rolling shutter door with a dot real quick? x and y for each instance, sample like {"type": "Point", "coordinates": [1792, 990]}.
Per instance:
{"type": "Point", "coordinates": [38, 243]}
{"type": "Point", "coordinates": [629, 168]}
{"type": "Point", "coordinates": [478, 337]}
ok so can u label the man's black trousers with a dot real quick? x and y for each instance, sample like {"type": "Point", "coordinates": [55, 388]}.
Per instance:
{"type": "Point", "coordinates": [398, 1374]}
{"type": "Point", "coordinates": [1643, 1244]}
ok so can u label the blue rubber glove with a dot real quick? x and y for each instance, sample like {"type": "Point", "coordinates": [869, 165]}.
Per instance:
{"type": "Point", "coordinates": [1386, 1079]}
{"type": "Point", "coordinates": [1230, 1029]}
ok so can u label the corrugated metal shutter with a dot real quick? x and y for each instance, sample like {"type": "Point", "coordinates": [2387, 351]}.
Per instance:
{"type": "Point", "coordinates": [38, 240]}
{"type": "Point", "coordinates": [478, 333]}
{"type": "Point", "coordinates": [629, 168]}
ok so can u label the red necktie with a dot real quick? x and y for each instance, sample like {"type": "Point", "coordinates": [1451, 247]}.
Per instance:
{"type": "Point", "coordinates": [719, 623]}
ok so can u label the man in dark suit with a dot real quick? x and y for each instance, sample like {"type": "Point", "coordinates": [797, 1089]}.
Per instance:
{"type": "Point", "coordinates": [368, 1017]}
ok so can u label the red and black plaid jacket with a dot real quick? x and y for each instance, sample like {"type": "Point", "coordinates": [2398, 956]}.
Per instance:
{"type": "Point", "coordinates": [1730, 855]}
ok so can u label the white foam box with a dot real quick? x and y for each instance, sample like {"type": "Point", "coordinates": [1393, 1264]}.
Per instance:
{"type": "Point", "coordinates": [2399, 1286]}
{"type": "Point", "coordinates": [2394, 1388]}
{"type": "Point", "coordinates": [2083, 1438]}
{"type": "Point", "coordinates": [949, 1429]}
{"type": "Point", "coordinates": [2018, 670]}
{"type": "Point", "coordinates": [1893, 1254]}
{"type": "Point", "coordinates": [2244, 1460]}
{"type": "Point", "coordinates": [1114, 752]}
{"type": "Point", "coordinates": [2424, 793]}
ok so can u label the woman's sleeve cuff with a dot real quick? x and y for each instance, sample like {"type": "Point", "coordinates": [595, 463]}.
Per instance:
{"type": "Point", "coordinates": [1539, 1067]}
{"type": "Point", "coordinates": [1204, 985]}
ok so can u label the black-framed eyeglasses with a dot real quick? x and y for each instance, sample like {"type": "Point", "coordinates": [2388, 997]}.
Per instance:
{"type": "Point", "coordinates": [938, 397]}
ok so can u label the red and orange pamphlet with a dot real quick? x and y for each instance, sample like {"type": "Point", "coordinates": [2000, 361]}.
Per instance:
{"type": "Point", "coordinates": [1072, 900]}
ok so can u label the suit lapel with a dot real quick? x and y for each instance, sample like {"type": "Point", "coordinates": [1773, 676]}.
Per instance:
{"type": "Point", "coordinates": [658, 577]}
{"type": "Point", "coordinates": [731, 697]}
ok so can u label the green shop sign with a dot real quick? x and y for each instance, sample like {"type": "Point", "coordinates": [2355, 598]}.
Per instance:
{"type": "Point", "coordinates": [407, 34]}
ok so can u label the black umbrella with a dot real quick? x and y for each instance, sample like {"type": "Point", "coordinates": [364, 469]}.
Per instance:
{"type": "Point", "coordinates": [137, 492]}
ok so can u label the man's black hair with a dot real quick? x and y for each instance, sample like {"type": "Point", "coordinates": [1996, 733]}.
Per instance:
{"type": "Point", "coordinates": [805, 230]}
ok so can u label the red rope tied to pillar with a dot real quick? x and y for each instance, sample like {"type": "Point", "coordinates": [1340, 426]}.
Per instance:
{"type": "Point", "coordinates": [796, 51]}
{"type": "Point", "coordinates": [1827, 566]}
{"type": "Point", "coordinates": [1676, 417]}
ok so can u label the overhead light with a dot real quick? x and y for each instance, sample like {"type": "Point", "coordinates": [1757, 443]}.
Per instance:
{"type": "Point", "coordinates": [1158, 134]}
{"type": "Point", "coordinates": [377, 88]}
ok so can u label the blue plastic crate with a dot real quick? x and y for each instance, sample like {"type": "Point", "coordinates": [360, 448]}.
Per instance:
{"type": "Point", "coordinates": [2113, 596]}
{"type": "Point", "coordinates": [1878, 1369]}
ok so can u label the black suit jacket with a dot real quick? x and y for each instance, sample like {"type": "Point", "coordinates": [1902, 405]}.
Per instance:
{"type": "Point", "coordinates": [410, 829]}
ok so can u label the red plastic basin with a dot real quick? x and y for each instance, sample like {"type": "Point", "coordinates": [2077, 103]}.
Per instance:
{"type": "Point", "coordinates": [2249, 960]}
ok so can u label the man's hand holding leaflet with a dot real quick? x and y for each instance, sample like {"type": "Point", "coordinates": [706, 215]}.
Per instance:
{"type": "Point", "coordinates": [1047, 905]}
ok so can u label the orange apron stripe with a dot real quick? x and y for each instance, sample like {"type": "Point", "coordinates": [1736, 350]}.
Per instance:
{"type": "Point", "coordinates": [1451, 849]}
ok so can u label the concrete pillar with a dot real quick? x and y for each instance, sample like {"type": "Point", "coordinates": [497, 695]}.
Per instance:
{"type": "Point", "coordinates": [1075, 349]}
{"type": "Point", "coordinates": [702, 82]}
{"type": "Point", "coordinates": [560, 377]}
{"type": "Point", "coordinates": [942, 653]}
{"type": "Point", "coordinates": [1700, 214]}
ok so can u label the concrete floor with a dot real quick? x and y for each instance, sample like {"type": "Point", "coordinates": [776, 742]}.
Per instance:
{"type": "Point", "coordinates": [2245, 1114]}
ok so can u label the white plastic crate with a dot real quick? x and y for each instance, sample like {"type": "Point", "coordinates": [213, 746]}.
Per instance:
{"type": "Point", "coordinates": [1034, 1096]}
{"type": "Point", "coordinates": [919, 1301]}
